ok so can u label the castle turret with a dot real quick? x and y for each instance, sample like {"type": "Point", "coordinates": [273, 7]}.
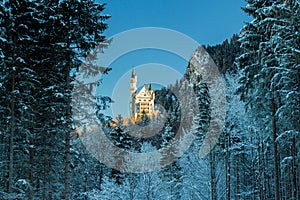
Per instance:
{"type": "Point", "coordinates": [133, 88]}
{"type": "Point", "coordinates": [133, 81]}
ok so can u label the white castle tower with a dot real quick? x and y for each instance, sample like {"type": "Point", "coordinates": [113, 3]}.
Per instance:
{"type": "Point", "coordinates": [133, 89]}
{"type": "Point", "coordinates": [142, 101]}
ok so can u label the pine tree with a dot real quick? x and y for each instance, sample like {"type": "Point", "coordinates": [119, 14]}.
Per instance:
{"type": "Point", "coordinates": [170, 174]}
{"type": "Point", "coordinates": [121, 139]}
{"type": "Point", "coordinates": [269, 65]}
{"type": "Point", "coordinates": [19, 81]}
{"type": "Point", "coordinates": [41, 44]}
{"type": "Point", "coordinates": [280, 60]}
{"type": "Point", "coordinates": [78, 27]}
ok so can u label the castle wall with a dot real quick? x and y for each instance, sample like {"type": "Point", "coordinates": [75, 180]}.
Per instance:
{"type": "Point", "coordinates": [141, 101]}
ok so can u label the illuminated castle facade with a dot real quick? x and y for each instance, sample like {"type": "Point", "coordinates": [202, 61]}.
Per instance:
{"type": "Point", "coordinates": [141, 101]}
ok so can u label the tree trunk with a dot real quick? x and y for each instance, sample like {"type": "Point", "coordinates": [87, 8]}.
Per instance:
{"type": "Point", "coordinates": [294, 170]}
{"type": "Point", "coordinates": [276, 155]}
{"type": "Point", "coordinates": [44, 176]}
{"type": "Point", "coordinates": [171, 183]}
{"type": "Point", "coordinates": [12, 120]}
{"type": "Point", "coordinates": [86, 184]}
{"type": "Point", "coordinates": [11, 135]}
{"type": "Point", "coordinates": [253, 177]}
{"type": "Point", "coordinates": [213, 176]}
{"type": "Point", "coordinates": [262, 172]}
{"type": "Point", "coordinates": [227, 167]}
{"type": "Point", "coordinates": [31, 155]}
{"type": "Point", "coordinates": [67, 167]}
{"type": "Point", "coordinates": [67, 133]}
{"type": "Point", "coordinates": [237, 178]}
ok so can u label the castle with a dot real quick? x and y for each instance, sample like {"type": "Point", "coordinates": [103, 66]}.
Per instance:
{"type": "Point", "coordinates": [141, 101]}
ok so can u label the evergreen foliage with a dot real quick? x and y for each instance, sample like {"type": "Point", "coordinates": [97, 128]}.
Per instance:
{"type": "Point", "coordinates": [45, 44]}
{"type": "Point", "coordinates": [41, 44]}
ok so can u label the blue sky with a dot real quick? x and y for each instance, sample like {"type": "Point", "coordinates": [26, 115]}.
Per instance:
{"type": "Point", "coordinates": [207, 22]}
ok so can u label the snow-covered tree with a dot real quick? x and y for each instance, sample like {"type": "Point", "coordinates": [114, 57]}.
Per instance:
{"type": "Point", "coordinates": [270, 85]}
{"type": "Point", "coordinates": [42, 43]}
{"type": "Point", "coordinates": [19, 29]}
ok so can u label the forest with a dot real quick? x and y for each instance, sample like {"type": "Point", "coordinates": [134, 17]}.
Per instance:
{"type": "Point", "coordinates": [44, 44]}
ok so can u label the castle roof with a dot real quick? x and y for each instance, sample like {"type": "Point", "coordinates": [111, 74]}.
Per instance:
{"type": "Point", "coordinates": [145, 92]}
